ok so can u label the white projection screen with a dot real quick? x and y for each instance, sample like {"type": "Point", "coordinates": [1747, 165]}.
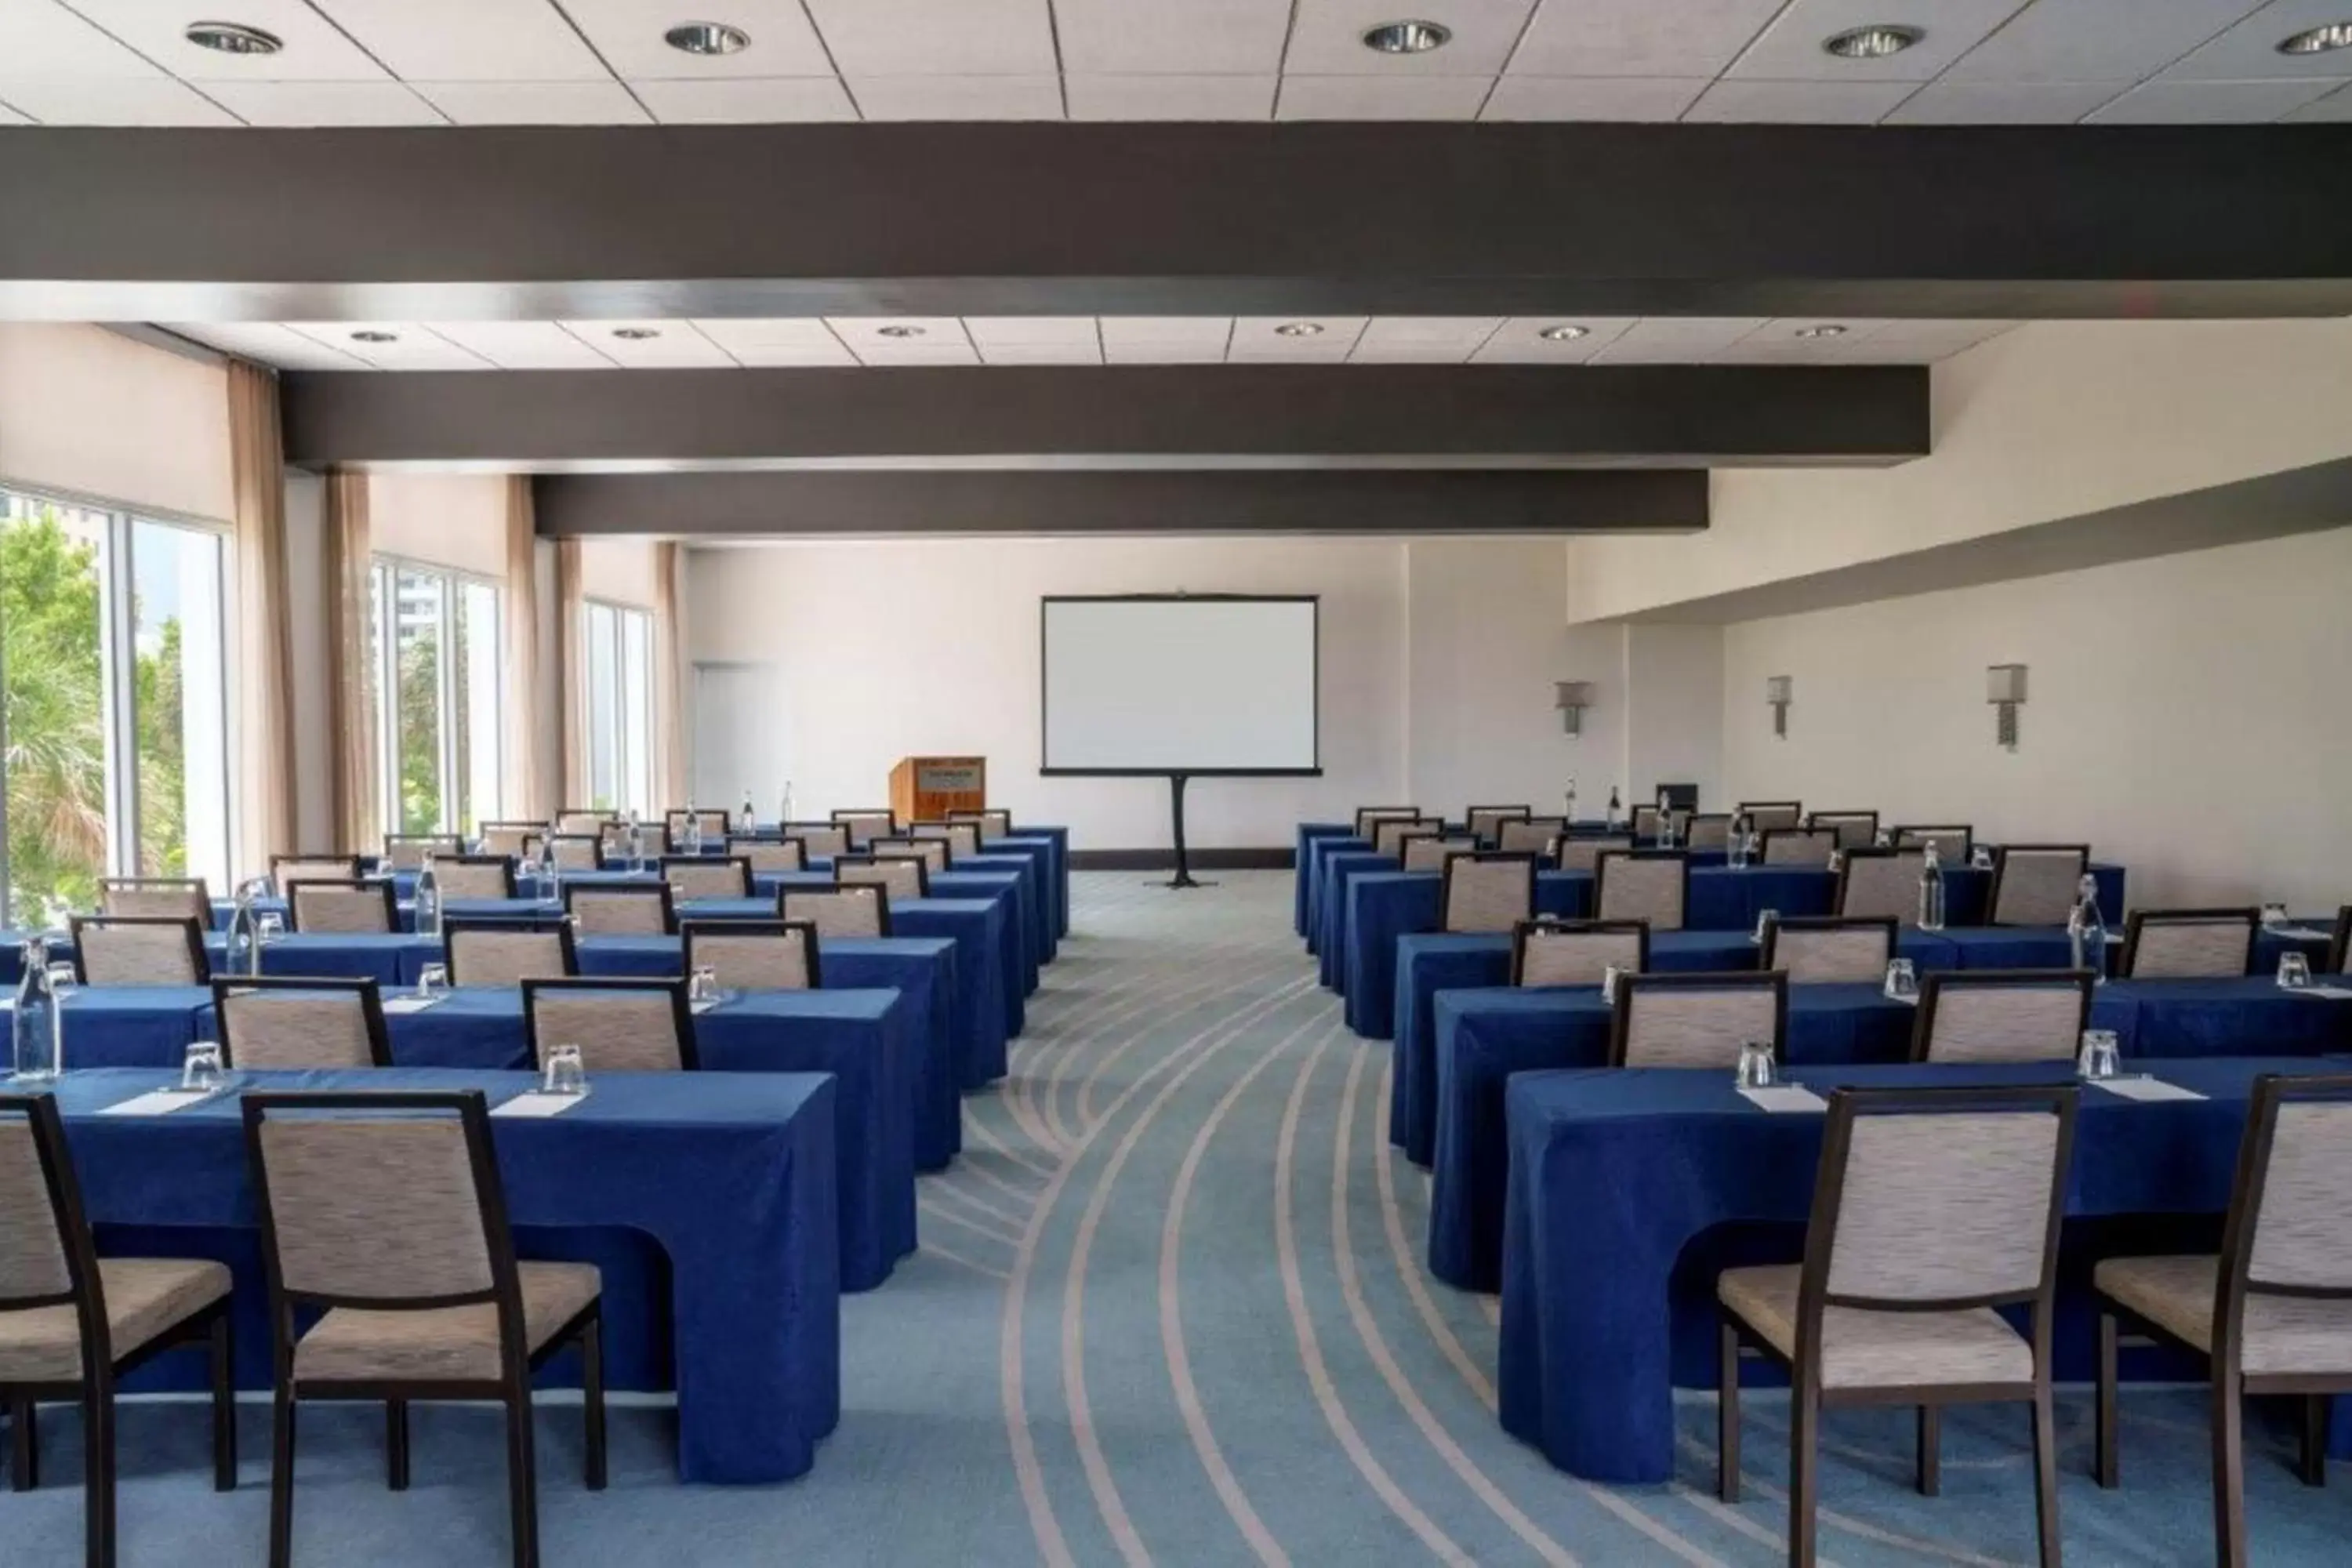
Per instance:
{"type": "Point", "coordinates": [1174, 683]}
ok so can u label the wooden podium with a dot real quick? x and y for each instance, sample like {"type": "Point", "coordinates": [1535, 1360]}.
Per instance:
{"type": "Point", "coordinates": [925, 789]}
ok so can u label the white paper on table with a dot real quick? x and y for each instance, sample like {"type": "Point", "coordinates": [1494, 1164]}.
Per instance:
{"type": "Point", "coordinates": [703, 1007]}
{"type": "Point", "coordinates": [409, 1003]}
{"type": "Point", "coordinates": [1784, 1097]}
{"type": "Point", "coordinates": [2300, 933]}
{"type": "Point", "coordinates": [2146, 1088]}
{"type": "Point", "coordinates": [158, 1102]}
{"type": "Point", "coordinates": [2334, 993]}
{"type": "Point", "coordinates": [538, 1103]}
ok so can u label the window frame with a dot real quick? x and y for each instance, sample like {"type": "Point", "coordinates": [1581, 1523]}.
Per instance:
{"type": "Point", "coordinates": [384, 568]}
{"type": "Point", "coordinates": [633, 727]}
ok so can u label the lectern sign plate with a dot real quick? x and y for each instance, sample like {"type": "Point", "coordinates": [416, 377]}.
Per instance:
{"type": "Point", "coordinates": [943, 777]}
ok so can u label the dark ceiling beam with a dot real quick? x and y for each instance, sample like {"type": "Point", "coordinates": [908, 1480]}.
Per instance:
{"type": "Point", "coordinates": [1135, 501]}
{"type": "Point", "coordinates": [1478, 219]}
{"type": "Point", "coordinates": [1159, 416]}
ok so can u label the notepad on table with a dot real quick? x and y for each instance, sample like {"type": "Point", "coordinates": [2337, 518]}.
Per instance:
{"type": "Point", "coordinates": [158, 1102]}
{"type": "Point", "coordinates": [2144, 1088]}
{"type": "Point", "coordinates": [408, 1003]}
{"type": "Point", "coordinates": [538, 1103]}
{"type": "Point", "coordinates": [1784, 1097]}
{"type": "Point", "coordinates": [2333, 992]}
{"type": "Point", "coordinates": [704, 1006]}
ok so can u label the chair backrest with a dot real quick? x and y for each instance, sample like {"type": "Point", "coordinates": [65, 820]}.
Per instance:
{"type": "Point", "coordinates": [756, 955]}
{"type": "Point", "coordinates": [578, 819]}
{"type": "Point", "coordinates": [1936, 1199]}
{"type": "Point", "coordinates": [768, 856]}
{"type": "Point", "coordinates": [508, 839]}
{"type": "Point", "coordinates": [1584, 854]}
{"type": "Point", "coordinates": [474, 876]}
{"type": "Point", "coordinates": [1486, 822]}
{"type": "Point", "coordinates": [1764, 815]}
{"type": "Point", "coordinates": [1370, 817]}
{"type": "Point", "coordinates": [654, 839]}
{"type": "Point", "coordinates": [1710, 830]}
{"type": "Point", "coordinates": [47, 1257]}
{"type": "Point", "coordinates": [1825, 950]}
{"type": "Point", "coordinates": [1650, 885]}
{"type": "Point", "coordinates": [2290, 1225]}
{"type": "Point", "coordinates": [906, 878]}
{"type": "Point", "coordinates": [863, 825]}
{"type": "Point", "coordinates": [1799, 846]}
{"type": "Point", "coordinates": [1429, 851]}
{"type": "Point", "coordinates": [508, 953]}
{"type": "Point", "coordinates": [1876, 882]}
{"type": "Point", "coordinates": [2001, 1014]}
{"type": "Point", "coordinates": [1645, 820]}
{"type": "Point", "coordinates": [1854, 829]}
{"type": "Point", "coordinates": [174, 897]}
{"type": "Point", "coordinates": [1696, 1020]}
{"type": "Point", "coordinates": [1955, 843]}
{"type": "Point", "coordinates": [1577, 952]}
{"type": "Point", "coordinates": [2339, 946]}
{"type": "Point", "coordinates": [852, 908]}
{"type": "Point", "coordinates": [994, 822]}
{"type": "Point", "coordinates": [406, 851]}
{"type": "Point", "coordinates": [620, 1026]}
{"type": "Point", "coordinates": [706, 876]}
{"type": "Point", "coordinates": [287, 869]}
{"type": "Point", "coordinates": [283, 1024]}
{"type": "Point", "coordinates": [138, 950]}
{"type": "Point", "coordinates": [1529, 835]}
{"type": "Point", "coordinates": [818, 840]}
{"type": "Point", "coordinates": [577, 852]}
{"type": "Point", "coordinates": [1486, 891]}
{"type": "Point", "coordinates": [2034, 884]}
{"type": "Point", "coordinates": [353, 908]}
{"type": "Point", "coordinates": [645, 909]}
{"type": "Point", "coordinates": [713, 823]}
{"type": "Point", "coordinates": [931, 852]}
{"type": "Point", "coordinates": [2189, 944]}
{"type": "Point", "coordinates": [1388, 833]}
{"type": "Point", "coordinates": [961, 839]}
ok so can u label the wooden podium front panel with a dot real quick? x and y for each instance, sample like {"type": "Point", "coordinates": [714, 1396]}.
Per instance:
{"type": "Point", "coordinates": [925, 789]}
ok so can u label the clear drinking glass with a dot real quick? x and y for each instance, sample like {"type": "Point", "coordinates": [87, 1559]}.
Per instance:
{"type": "Point", "coordinates": [1756, 1068]}
{"type": "Point", "coordinates": [200, 1070]}
{"type": "Point", "coordinates": [432, 980]}
{"type": "Point", "coordinates": [2274, 914]}
{"type": "Point", "coordinates": [270, 926]}
{"type": "Point", "coordinates": [564, 1075]}
{"type": "Point", "coordinates": [63, 981]}
{"type": "Point", "coordinates": [1608, 984]}
{"type": "Point", "coordinates": [2294, 970]}
{"type": "Point", "coordinates": [1983, 857]}
{"type": "Point", "coordinates": [2100, 1054]}
{"type": "Point", "coordinates": [1902, 980]}
{"type": "Point", "coordinates": [1765, 920]}
{"type": "Point", "coordinates": [702, 986]}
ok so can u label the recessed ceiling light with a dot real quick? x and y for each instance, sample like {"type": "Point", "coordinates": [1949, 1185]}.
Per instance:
{"type": "Point", "coordinates": [1872, 43]}
{"type": "Point", "coordinates": [1826, 329]}
{"type": "Point", "coordinates": [232, 39]}
{"type": "Point", "coordinates": [2318, 40]}
{"type": "Point", "coordinates": [636, 334]}
{"type": "Point", "coordinates": [899, 331]}
{"type": "Point", "coordinates": [1407, 37]}
{"type": "Point", "coordinates": [1298, 329]}
{"type": "Point", "coordinates": [1564, 334]}
{"type": "Point", "coordinates": [707, 39]}
{"type": "Point", "coordinates": [375, 337]}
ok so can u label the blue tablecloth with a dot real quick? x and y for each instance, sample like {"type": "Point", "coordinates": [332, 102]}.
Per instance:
{"type": "Point", "coordinates": [727, 1182]}
{"type": "Point", "coordinates": [1021, 954]}
{"type": "Point", "coordinates": [1615, 1173]}
{"type": "Point", "coordinates": [1311, 836]}
{"type": "Point", "coordinates": [132, 1026]}
{"type": "Point", "coordinates": [1004, 856]}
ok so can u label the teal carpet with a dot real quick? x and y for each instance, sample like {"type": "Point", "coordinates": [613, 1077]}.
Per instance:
{"type": "Point", "coordinates": [1168, 1309]}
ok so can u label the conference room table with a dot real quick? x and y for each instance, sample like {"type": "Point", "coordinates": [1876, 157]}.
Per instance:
{"type": "Point", "coordinates": [1483, 1039]}
{"type": "Point", "coordinates": [707, 1201]}
{"type": "Point", "coordinates": [1616, 1174]}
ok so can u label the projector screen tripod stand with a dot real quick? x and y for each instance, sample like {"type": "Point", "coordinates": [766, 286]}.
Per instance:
{"type": "Point", "coordinates": [1183, 877]}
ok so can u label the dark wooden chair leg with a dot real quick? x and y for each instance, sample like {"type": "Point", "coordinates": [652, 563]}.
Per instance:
{"type": "Point", "coordinates": [1804, 1466]}
{"type": "Point", "coordinates": [282, 1479]}
{"type": "Point", "coordinates": [1931, 1450]}
{"type": "Point", "coordinates": [2105, 1462]}
{"type": "Point", "coordinates": [25, 1446]}
{"type": "Point", "coordinates": [591, 1398]}
{"type": "Point", "coordinates": [224, 1367]}
{"type": "Point", "coordinates": [2313, 1468]}
{"type": "Point", "coordinates": [97, 1470]}
{"type": "Point", "coordinates": [522, 1479]}
{"type": "Point", "coordinates": [2045, 1474]}
{"type": "Point", "coordinates": [395, 1444]}
{"type": "Point", "coordinates": [1727, 1413]}
{"type": "Point", "coordinates": [2229, 1471]}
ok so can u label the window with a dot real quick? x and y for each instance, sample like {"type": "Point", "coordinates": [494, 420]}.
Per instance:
{"type": "Point", "coordinates": [114, 664]}
{"type": "Point", "coordinates": [438, 716]}
{"type": "Point", "coordinates": [620, 690]}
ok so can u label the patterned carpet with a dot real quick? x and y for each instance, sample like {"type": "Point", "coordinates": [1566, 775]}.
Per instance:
{"type": "Point", "coordinates": [1169, 1309]}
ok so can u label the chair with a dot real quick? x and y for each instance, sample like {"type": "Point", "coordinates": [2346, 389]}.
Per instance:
{"type": "Point", "coordinates": [2189, 944]}
{"type": "Point", "coordinates": [711, 824]}
{"type": "Point", "coordinates": [1854, 829]}
{"type": "Point", "coordinates": [577, 852]}
{"type": "Point", "coordinates": [818, 840]}
{"type": "Point", "coordinates": [71, 1323]}
{"type": "Point", "coordinates": [1880, 882]}
{"type": "Point", "coordinates": [288, 1024]}
{"type": "Point", "coordinates": [138, 950]}
{"type": "Point", "coordinates": [1650, 885]}
{"type": "Point", "coordinates": [2001, 1014]}
{"type": "Point", "coordinates": [287, 869]}
{"type": "Point", "coordinates": [1709, 830]}
{"type": "Point", "coordinates": [1799, 846]}
{"type": "Point", "coordinates": [172, 897]}
{"type": "Point", "coordinates": [844, 909]}
{"type": "Point", "coordinates": [1696, 1020]}
{"type": "Point", "coordinates": [620, 1026]}
{"type": "Point", "coordinates": [474, 876]}
{"type": "Point", "coordinates": [1577, 952]}
{"type": "Point", "coordinates": [406, 851]}
{"type": "Point", "coordinates": [1823, 949]}
{"type": "Point", "coordinates": [1370, 817]}
{"type": "Point", "coordinates": [2339, 946]}
{"type": "Point", "coordinates": [1765, 815]}
{"type": "Point", "coordinates": [768, 856]}
{"type": "Point", "coordinates": [1645, 822]}
{"type": "Point", "coordinates": [1388, 833]}
{"type": "Point", "coordinates": [583, 819]}
{"type": "Point", "coordinates": [1954, 844]}
{"type": "Point", "coordinates": [905, 879]}
{"type": "Point", "coordinates": [508, 951]}
{"type": "Point", "coordinates": [352, 908]}
{"type": "Point", "coordinates": [640, 911]}
{"type": "Point", "coordinates": [866, 826]}
{"type": "Point", "coordinates": [2271, 1313]}
{"type": "Point", "coordinates": [961, 839]}
{"type": "Point", "coordinates": [1485, 890]}
{"type": "Point", "coordinates": [705, 877]}
{"type": "Point", "coordinates": [1932, 1208]}
{"type": "Point", "coordinates": [931, 852]}
{"type": "Point", "coordinates": [756, 955]}
{"type": "Point", "coordinates": [506, 838]}
{"type": "Point", "coordinates": [1584, 854]}
{"type": "Point", "coordinates": [416, 1271]}
{"type": "Point", "coordinates": [1486, 822]}
{"type": "Point", "coordinates": [653, 841]}
{"type": "Point", "coordinates": [1429, 851]}
{"type": "Point", "coordinates": [2035, 884]}
{"type": "Point", "coordinates": [1530, 835]}
{"type": "Point", "coordinates": [994, 822]}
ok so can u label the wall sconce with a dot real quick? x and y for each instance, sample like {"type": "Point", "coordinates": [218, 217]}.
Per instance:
{"type": "Point", "coordinates": [1574, 697]}
{"type": "Point", "coordinates": [1776, 689]}
{"type": "Point", "coordinates": [2005, 689]}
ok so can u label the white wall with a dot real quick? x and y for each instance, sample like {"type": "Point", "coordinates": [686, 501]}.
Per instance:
{"type": "Point", "coordinates": [1484, 645]}
{"type": "Point", "coordinates": [2185, 716]}
{"type": "Point", "coordinates": [457, 520]}
{"type": "Point", "coordinates": [90, 412]}
{"type": "Point", "coordinates": [1674, 698]}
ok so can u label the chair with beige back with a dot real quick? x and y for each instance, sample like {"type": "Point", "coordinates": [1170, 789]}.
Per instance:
{"type": "Point", "coordinates": [644, 910]}
{"type": "Point", "coordinates": [1709, 830]}
{"type": "Point", "coordinates": [905, 879]}
{"type": "Point", "coordinates": [508, 951]}
{"type": "Point", "coordinates": [818, 840]}
{"type": "Point", "coordinates": [577, 852]}
{"type": "Point", "coordinates": [1854, 829]}
{"type": "Point", "coordinates": [1799, 846]}
{"type": "Point", "coordinates": [138, 950]}
{"type": "Point", "coordinates": [2189, 944]}
{"type": "Point", "coordinates": [963, 839]}
{"type": "Point", "coordinates": [1577, 952]}
{"type": "Point", "coordinates": [173, 898]}
{"type": "Point", "coordinates": [287, 869]}
{"type": "Point", "coordinates": [1876, 883]}
{"type": "Point", "coordinates": [1583, 854]}
{"type": "Point", "coordinates": [710, 825]}
{"type": "Point", "coordinates": [864, 824]}
{"type": "Point", "coordinates": [1650, 885]}
{"type": "Point", "coordinates": [1485, 890]}
{"type": "Point", "coordinates": [1388, 832]}
{"type": "Point", "coordinates": [1530, 835]}
{"type": "Point", "coordinates": [1764, 815]}
{"type": "Point", "coordinates": [705, 877]}
{"type": "Point", "coordinates": [475, 876]}
{"type": "Point", "coordinates": [406, 851]}
{"type": "Point", "coordinates": [1486, 822]}
{"type": "Point", "coordinates": [2001, 1015]}
{"type": "Point", "coordinates": [845, 909]}
{"type": "Point", "coordinates": [1828, 950]}
{"type": "Point", "coordinates": [768, 856]}
{"type": "Point", "coordinates": [756, 955]}
{"type": "Point", "coordinates": [1696, 1020]}
{"type": "Point", "coordinates": [634, 1025]}
{"type": "Point", "coordinates": [1368, 817]}
{"type": "Point", "coordinates": [347, 908]}
{"type": "Point", "coordinates": [281, 1023]}
{"type": "Point", "coordinates": [506, 838]}
{"type": "Point", "coordinates": [1954, 843]}
{"type": "Point", "coordinates": [2035, 884]}
{"type": "Point", "coordinates": [931, 852]}
{"type": "Point", "coordinates": [583, 819]}
{"type": "Point", "coordinates": [1429, 851]}
{"type": "Point", "coordinates": [993, 822]}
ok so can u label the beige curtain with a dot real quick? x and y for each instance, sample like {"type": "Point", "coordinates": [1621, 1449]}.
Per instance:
{"type": "Point", "coordinates": [530, 780]}
{"type": "Point", "coordinates": [265, 771]}
{"type": "Point", "coordinates": [350, 553]}
{"type": "Point", "coordinates": [669, 682]}
{"type": "Point", "coordinates": [571, 614]}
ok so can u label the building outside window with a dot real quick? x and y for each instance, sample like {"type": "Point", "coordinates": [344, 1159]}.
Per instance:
{"type": "Point", "coordinates": [619, 693]}
{"type": "Point", "coordinates": [438, 717]}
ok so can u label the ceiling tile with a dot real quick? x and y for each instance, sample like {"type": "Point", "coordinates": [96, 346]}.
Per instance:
{"type": "Point", "coordinates": [1041, 354]}
{"type": "Point", "coordinates": [110, 100]}
{"type": "Point", "coordinates": [795, 356]}
{"type": "Point", "coordinates": [1791, 48]}
{"type": "Point", "coordinates": [1673, 339]}
{"type": "Point", "coordinates": [268, 342]}
{"type": "Point", "coordinates": [674, 345]}
{"type": "Point", "coordinates": [1381, 98]}
{"type": "Point", "coordinates": [2335, 109]}
{"type": "Point", "coordinates": [2095, 40]}
{"type": "Point", "coordinates": [2249, 50]}
{"type": "Point", "coordinates": [628, 34]}
{"type": "Point", "coordinates": [746, 100]}
{"type": "Point", "coordinates": [604, 102]}
{"type": "Point", "coordinates": [1800, 102]}
{"type": "Point", "coordinates": [1784, 342]}
{"type": "Point", "coordinates": [10, 117]}
{"type": "Point", "coordinates": [1465, 333]}
{"type": "Point", "coordinates": [1950, 102]}
{"type": "Point", "coordinates": [938, 38]}
{"type": "Point", "coordinates": [889, 333]}
{"type": "Point", "coordinates": [1326, 38]}
{"type": "Point", "coordinates": [500, 41]}
{"type": "Point", "coordinates": [1162, 353]}
{"type": "Point", "coordinates": [312, 49]}
{"type": "Point", "coordinates": [1184, 38]}
{"type": "Point", "coordinates": [1521, 340]}
{"type": "Point", "coordinates": [1638, 38]}
{"type": "Point", "coordinates": [734, 333]}
{"type": "Point", "coordinates": [1005, 332]}
{"type": "Point", "coordinates": [958, 97]}
{"type": "Point", "coordinates": [411, 347]}
{"type": "Point", "coordinates": [46, 41]}
{"type": "Point", "coordinates": [298, 103]}
{"type": "Point", "coordinates": [522, 345]}
{"type": "Point", "coordinates": [1118, 330]}
{"type": "Point", "coordinates": [1260, 340]}
{"type": "Point", "coordinates": [2168, 102]}
{"type": "Point", "coordinates": [1172, 96]}
{"type": "Point", "coordinates": [887, 354]}
{"type": "Point", "coordinates": [1519, 97]}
